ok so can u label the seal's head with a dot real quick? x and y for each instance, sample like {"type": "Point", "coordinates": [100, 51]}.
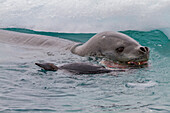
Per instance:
{"type": "Point", "coordinates": [114, 46]}
{"type": "Point", "coordinates": [122, 48]}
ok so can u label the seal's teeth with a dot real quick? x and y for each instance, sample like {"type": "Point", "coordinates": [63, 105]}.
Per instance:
{"type": "Point", "coordinates": [139, 63]}
{"type": "Point", "coordinates": [129, 62]}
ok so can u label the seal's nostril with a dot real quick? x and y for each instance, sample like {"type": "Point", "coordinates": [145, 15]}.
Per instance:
{"type": "Point", "coordinates": [146, 48]}
{"type": "Point", "coordinates": [142, 49]}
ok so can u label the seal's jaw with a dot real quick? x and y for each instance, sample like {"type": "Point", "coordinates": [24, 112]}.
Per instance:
{"type": "Point", "coordinates": [123, 65]}
{"type": "Point", "coordinates": [132, 63]}
{"type": "Point", "coordinates": [135, 59]}
{"type": "Point", "coordinates": [134, 56]}
{"type": "Point", "coordinates": [138, 61]}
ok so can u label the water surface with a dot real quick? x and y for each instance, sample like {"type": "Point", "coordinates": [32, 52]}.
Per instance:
{"type": "Point", "coordinates": [26, 88]}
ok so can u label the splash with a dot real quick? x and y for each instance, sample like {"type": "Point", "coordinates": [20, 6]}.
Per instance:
{"type": "Point", "coordinates": [141, 85]}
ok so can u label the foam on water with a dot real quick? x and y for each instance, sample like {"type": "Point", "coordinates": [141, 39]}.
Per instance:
{"type": "Point", "coordinates": [141, 85]}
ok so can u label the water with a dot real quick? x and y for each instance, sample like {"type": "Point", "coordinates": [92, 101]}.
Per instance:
{"type": "Point", "coordinates": [26, 88]}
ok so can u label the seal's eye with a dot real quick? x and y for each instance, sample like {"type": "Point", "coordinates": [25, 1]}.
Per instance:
{"type": "Point", "coordinates": [120, 49]}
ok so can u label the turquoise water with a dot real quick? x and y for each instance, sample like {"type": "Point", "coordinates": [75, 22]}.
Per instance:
{"type": "Point", "coordinates": [26, 88]}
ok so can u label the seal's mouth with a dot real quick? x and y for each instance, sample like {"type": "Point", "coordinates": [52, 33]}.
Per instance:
{"type": "Point", "coordinates": [137, 63]}
{"type": "Point", "coordinates": [129, 64]}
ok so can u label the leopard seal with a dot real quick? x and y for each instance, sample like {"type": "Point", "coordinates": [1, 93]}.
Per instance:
{"type": "Point", "coordinates": [111, 45]}
{"type": "Point", "coordinates": [115, 46]}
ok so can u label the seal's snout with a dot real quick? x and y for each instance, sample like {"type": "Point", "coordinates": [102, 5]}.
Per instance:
{"type": "Point", "coordinates": [144, 53]}
{"type": "Point", "coordinates": [144, 49]}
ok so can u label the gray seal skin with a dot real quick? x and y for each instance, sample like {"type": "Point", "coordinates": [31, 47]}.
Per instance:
{"type": "Point", "coordinates": [77, 68]}
{"type": "Point", "coordinates": [111, 45]}
{"type": "Point", "coordinates": [114, 46]}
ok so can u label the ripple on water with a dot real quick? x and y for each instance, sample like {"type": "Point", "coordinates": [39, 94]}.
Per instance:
{"type": "Point", "coordinates": [24, 87]}
{"type": "Point", "coordinates": [29, 110]}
